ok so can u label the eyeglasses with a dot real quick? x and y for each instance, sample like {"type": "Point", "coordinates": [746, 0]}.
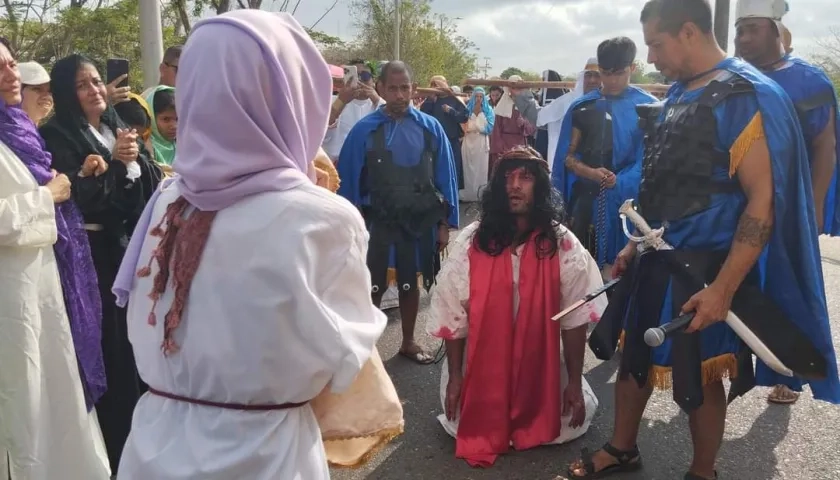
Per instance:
{"type": "Point", "coordinates": [172, 66]}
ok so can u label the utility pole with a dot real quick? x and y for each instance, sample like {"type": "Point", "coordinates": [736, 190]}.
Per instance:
{"type": "Point", "coordinates": [722, 23]}
{"type": "Point", "coordinates": [151, 41]}
{"type": "Point", "coordinates": [486, 66]}
{"type": "Point", "coordinates": [396, 29]}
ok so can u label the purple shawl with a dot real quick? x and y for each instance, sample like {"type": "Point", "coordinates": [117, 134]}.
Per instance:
{"type": "Point", "coordinates": [72, 252]}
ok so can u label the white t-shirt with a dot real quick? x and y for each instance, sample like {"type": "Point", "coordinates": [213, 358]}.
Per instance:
{"type": "Point", "coordinates": [352, 113]}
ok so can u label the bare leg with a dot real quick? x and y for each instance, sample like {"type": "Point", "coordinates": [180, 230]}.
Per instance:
{"type": "Point", "coordinates": [409, 306]}
{"type": "Point", "coordinates": [630, 401]}
{"type": "Point", "coordinates": [707, 424]}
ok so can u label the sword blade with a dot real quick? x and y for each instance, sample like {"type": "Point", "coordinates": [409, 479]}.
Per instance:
{"type": "Point", "coordinates": [586, 299]}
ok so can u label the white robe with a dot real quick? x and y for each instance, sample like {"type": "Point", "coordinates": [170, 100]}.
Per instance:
{"type": "Point", "coordinates": [449, 307]}
{"type": "Point", "coordinates": [278, 309]}
{"type": "Point", "coordinates": [45, 431]}
{"type": "Point", "coordinates": [475, 151]}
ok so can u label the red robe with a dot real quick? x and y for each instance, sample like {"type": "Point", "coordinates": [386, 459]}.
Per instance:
{"type": "Point", "coordinates": [511, 389]}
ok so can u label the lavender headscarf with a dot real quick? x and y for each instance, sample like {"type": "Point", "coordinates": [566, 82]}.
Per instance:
{"type": "Point", "coordinates": [72, 253]}
{"type": "Point", "coordinates": [255, 127]}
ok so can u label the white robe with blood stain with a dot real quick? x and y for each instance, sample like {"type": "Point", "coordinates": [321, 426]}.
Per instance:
{"type": "Point", "coordinates": [278, 309]}
{"type": "Point", "coordinates": [449, 308]}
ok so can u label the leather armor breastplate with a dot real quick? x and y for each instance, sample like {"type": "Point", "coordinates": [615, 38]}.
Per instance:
{"type": "Point", "coordinates": [596, 134]}
{"type": "Point", "coordinates": [681, 156]}
{"type": "Point", "coordinates": [402, 197]}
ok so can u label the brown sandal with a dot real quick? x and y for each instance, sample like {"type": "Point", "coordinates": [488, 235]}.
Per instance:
{"type": "Point", "coordinates": [782, 395]}
{"type": "Point", "coordinates": [628, 461]}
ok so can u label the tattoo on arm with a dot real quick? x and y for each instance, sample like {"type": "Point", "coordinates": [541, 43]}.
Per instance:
{"type": "Point", "coordinates": [753, 231]}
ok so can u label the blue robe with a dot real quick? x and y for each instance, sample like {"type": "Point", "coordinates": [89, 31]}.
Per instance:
{"type": "Point", "coordinates": [792, 274]}
{"type": "Point", "coordinates": [801, 81]}
{"type": "Point", "coordinates": [406, 141]}
{"type": "Point", "coordinates": [628, 149]}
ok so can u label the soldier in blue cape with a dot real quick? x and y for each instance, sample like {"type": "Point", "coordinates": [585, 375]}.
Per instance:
{"type": "Point", "coordinates": [725, 173]}
{"type": "Point", "coordinates": [397, 167]}
{"type": "Point", "coordinates": [759, 41]}
{"type": "Point", "coordinates": [601, 143]}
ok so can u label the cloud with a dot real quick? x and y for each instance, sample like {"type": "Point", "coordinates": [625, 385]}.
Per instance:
{"type": "Point", "coordinates": [562, 34]}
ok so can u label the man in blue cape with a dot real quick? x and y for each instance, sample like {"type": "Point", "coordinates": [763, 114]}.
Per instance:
{"type": "Point", "coordinates": [725, 174]}
{"type": "Point", "coordinates": [397, 167]}
{"type": "Point", "coordinates": [601, 144]}
{"type": "Point", "coordinates": [759, 41]}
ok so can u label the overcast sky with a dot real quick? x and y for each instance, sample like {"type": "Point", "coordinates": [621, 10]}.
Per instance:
{"type": "Point", "coordinates": [562, 34]}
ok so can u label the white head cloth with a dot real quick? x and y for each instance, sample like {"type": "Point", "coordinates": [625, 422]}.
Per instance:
{"type": "Point", "coordinates": [505, 106]}
{"type": "Point", "coordinates": [556, 110]}
{"type": "Point", "coordinates": [770, 9]}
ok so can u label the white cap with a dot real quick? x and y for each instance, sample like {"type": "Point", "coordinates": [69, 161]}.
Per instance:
{"type": "Point", "coordinates": [772, 9]}
{"type": "Point", "coordinates": [32, 73]}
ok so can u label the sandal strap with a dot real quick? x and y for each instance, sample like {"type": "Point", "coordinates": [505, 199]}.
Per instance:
{"type": "Point", "coordinates": [622, 456]}
{"type": "Point", "coordinates": [691, 476]}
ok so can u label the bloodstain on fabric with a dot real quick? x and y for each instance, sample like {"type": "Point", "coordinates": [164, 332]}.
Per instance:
{"type": "Point", "coordinates": [445, 333]}
{"type": "Point", "coordinates": [594, 317]}
{"type": "Point", "coordinates": [566, 244]}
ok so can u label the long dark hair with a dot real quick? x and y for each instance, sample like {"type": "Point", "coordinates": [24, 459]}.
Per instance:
{"type": "Point", "coordinates": [68, 110]}
{"type": "Point", "coordinates": [497, 227]}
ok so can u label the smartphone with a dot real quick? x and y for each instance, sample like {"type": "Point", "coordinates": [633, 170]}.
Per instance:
{"type": "Point", "coordinates": [351, 76]}
{"type": "Point", "coordinates": [116, 67]}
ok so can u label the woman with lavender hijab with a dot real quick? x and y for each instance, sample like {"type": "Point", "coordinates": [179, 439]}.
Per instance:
{"type": "Point", "coordinates": [50, 301]}
{"type": "Point", "coordinates": [269, 303]}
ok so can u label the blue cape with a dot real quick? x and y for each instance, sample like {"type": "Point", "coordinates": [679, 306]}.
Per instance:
{"type": "Point", "coordinates": [793, 276]}
{"type": "Point", "coordinates": [628, 148]}
{"type": "Point", "coordinates": [353, 154]}
{"type": "Point", "coordinates": [831, 217]}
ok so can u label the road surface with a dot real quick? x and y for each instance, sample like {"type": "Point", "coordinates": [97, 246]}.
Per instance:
{"type": "Point", "coordinates": [762, 441]}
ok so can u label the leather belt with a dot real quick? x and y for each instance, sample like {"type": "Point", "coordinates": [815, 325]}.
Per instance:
{"type": "Point", "coordinates": [227, 406]}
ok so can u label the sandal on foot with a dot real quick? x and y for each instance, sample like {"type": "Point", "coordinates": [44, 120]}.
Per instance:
{"type": "Point", "coordinates": [782, 395]}
{"type": "Point", "coordinates": [627, 461]}
{"type": "Point", "coordinates": [692, 476]}
{"type": "Point", "coordinates": [420, 357]}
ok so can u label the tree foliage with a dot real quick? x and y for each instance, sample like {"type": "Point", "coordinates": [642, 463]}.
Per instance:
{"type": "Point", "coordinates": [829, 56]}
{"type": "Point", "coordinates": [527, 76]}
{"type": "Point", "coordinates": [429, 45]}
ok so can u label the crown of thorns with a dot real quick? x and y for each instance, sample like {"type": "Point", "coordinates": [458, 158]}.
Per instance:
{"type": "Point", "coordinates": [524, 152]}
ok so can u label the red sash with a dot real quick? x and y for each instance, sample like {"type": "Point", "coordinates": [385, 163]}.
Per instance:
{"type": "Point", "coordinates": [511, 390]}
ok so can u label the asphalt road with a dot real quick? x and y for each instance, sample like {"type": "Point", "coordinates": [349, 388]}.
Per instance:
{"type": "Point", "coordinates": [762, 441]}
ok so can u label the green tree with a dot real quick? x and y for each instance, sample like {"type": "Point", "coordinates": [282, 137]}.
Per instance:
{"type": "Point", "coordinates": [639, 76]}
{"type": "Point", "coordinates": [429, 44]}
{"type": "Point", "coordinates": [511, 71]}
{"type": "Point", "coordinates": [829, 56]}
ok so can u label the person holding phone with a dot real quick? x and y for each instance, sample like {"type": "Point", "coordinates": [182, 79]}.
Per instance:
{"type": "Point", "coordinates": [356, 100]}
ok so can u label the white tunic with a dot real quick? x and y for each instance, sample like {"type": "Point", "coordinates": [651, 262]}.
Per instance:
{"type": "Point", "coordinates": [278, 308]}
{"type": "Point", "coordinates": [449, 307]}
{"type": "Point", "coordinates": [45, 431]}
{"type": "Point", "coordinates": [475, 152]}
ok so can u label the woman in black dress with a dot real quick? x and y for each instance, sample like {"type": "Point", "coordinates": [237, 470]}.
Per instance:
{"type": "Point", "coordinates": [86, 129]}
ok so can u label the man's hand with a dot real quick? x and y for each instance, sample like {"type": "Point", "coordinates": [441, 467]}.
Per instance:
{"type": "Point", "coordinates": [125, 148]}
{"type": "Point", "coordinates": [710, 306]}
{"type": "Point", "coordinates": [118, 94]}
{"type": "Point", "coordinates": [623, 259]}
{"type": "Point", "coordinates": [573, 404]}
{"type": "Point", "coordinates": [604, 175]}
{"type": "Point", "coordinates": [348, 93]}
{"type": "Point", "coordinates": [59, 187]}
{"type": "Point", "coordinates": [94, 165]}
{"type": "Point", "coordinates": [443, 237]}
{"type": "Point", "coordinates": [453, 396]}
